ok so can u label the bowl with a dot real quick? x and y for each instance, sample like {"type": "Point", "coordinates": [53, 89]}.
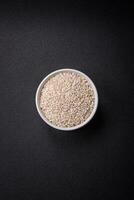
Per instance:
{"type": "Point", "coordinates": [38, 93]}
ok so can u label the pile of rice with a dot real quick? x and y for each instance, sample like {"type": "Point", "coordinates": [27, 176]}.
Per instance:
{"type": "Point", "coordinates": [67, 99]}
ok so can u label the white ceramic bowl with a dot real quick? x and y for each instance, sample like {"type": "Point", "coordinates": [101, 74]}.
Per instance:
{"type": "Point", "coordinates": [37, 99]}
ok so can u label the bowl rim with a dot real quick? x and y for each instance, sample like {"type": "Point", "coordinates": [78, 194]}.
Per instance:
{"type": "Point", "coordinates": [40, 86]}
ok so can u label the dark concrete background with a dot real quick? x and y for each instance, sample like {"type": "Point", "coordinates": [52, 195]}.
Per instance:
{"type": "Point", "coordinates": [36, 161]}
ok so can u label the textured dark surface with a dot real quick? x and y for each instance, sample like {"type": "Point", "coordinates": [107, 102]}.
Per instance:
{"type": "Point", "coordinates": [36, 161]}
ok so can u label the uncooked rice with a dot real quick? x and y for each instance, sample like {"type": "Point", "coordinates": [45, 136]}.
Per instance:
{"type": "Point", "coordinates": [67, 99]}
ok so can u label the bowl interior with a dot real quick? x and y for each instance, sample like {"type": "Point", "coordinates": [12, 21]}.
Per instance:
{"type": "Point", "coordinates": [38, 93]}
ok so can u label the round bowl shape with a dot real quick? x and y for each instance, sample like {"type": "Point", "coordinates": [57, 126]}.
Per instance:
{"type": "Point", "coordinates": [39, 89]}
